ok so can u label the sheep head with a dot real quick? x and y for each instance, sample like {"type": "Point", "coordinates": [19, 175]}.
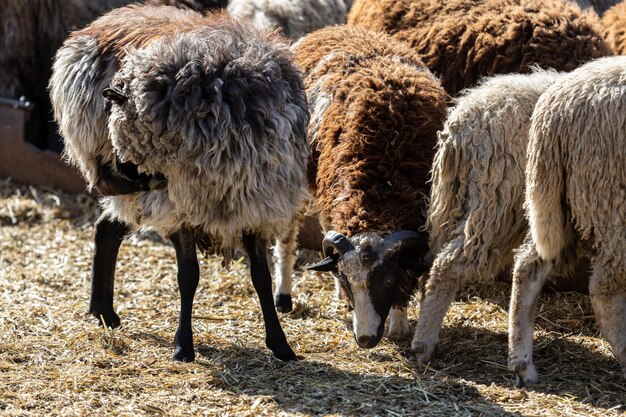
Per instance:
{"type": "Point", "coordinates": [375, 273]}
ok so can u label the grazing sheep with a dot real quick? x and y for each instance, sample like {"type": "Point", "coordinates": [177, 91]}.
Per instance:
{"type": "Point", "coordinates": [475, 217]}
{"type": "Point", "coordinates": [576, 203]}
{"type": "Point", "coordinates": [614, 21]}
{"type": "Point", "coordinates": [212, 106]}
{"type": "Point", "coordinates": [463, 40]}
{"type": "Point", "coordinates": [375, 110]}
{"type": "Point", "coordinates": [295, 17]}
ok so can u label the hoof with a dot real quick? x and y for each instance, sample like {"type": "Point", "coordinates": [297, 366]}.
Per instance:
{"type": "Point", "coordinates": [423, 351]}
{"type": "Point", "coordinates": [283, 303]}
{"type": "Point", "coordinates": [283, 351]}
{"type": "Point", "coordinates": [182, 354]}
{"type": "Point", "coordinates": [106, 318]}
{"type": "Point", "coordinates": [525, 373]}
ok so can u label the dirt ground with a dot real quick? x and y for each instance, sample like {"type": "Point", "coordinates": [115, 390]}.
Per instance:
{"type": "Point", "coordinates": [55, 360]}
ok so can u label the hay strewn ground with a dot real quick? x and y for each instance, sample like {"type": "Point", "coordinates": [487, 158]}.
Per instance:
{"type": "Point", "coordinates": [55, 360]}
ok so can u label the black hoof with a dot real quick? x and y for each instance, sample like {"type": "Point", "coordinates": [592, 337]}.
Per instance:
{"type": "Point", "coordinates": [106, 318]}
{"type": "Point", "coordinates": [182, 354]}
{"type": "Point", "coordinates": [283, 303]}
{"type": "Point", "coordinates": [283, 351]}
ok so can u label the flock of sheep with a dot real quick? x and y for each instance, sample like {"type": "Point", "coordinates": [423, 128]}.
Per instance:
{"type": "Point", "coordinates": [219, 135]}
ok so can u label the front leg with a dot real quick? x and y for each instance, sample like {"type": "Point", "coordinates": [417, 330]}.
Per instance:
{"type": "Point", "coordinates": [529, 275]}
{"type": "Point", "coordinates": [188, 277]}
{"type": "Point", "coordinates": [275, 338]}
{"type": "Point", "coordinates": [398, 323]}
{"type": "Point", "coordinates": [109, 235]}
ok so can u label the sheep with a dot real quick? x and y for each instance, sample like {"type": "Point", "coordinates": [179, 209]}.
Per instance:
{"type": "Point", "coordinates": [198, 5]}
{"type": "Point", "coordinates": [213, 106]}
{"type": "Point", "coordinates": [462, 40]}
{"type": "Point", "coordinates": [576, 204]}
{"type": "Point", "coordinates": [475, 216]}
{"type": "Point", "coordinates": [295, 17]}
{"type": "Point", "coordinates": [614, 21]}
{"type": "Point", "coordinates": [375, 110]}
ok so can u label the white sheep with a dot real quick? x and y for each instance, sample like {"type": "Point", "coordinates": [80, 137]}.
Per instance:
{"type": "Point", "coordinates": [295, 17]}
{"type": "Point", "coordinates": [208, 106]}
{"type": "Point", "coordinates": [576, 203]}
{"type": "Point", "coordinates": [475, 216]}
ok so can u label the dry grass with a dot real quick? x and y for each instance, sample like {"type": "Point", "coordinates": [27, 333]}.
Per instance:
{"type": "Point", "coordinates": [55, 360]}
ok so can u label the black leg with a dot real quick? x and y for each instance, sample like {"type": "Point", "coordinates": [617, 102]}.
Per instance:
{"type": "Point", "coordinates": [188, 276]}
{"type": "Point", "coordinates": [275, 338]}
{"type": "Point", "coordinates": [109, 235]}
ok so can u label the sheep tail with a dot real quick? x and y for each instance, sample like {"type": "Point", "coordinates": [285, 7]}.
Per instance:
{"type": "Point", "coordinates": [448, 189]}
{"type": "Point", "coordinates": [545, 185]}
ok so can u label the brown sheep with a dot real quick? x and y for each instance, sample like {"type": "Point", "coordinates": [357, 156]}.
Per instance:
{"type": "Point", "coordinates": [375, 110]}
{"type": "Point", "coordinates": [614, 21]}
{"type": "Point", "coordinates": [464, 40]}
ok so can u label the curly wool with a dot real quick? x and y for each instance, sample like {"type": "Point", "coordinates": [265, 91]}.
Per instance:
{"type": "Point", "coordinates": [375, 111]}
{"type": "Point", "coordinates": [212, 103]}
{"type": "Point", "coordinates": [614, 21]}
{"type": "Point", "coordinates": [463, 40]}
{"type": "Point", "coordinates": [476, 203]}
{"type": "Point", "coordinates": [580, 123]}
{"type": "Point", "coordinates": [295, 17]}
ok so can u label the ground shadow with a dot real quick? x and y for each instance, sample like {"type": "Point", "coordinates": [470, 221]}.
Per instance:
{"type": "Point", "coordinates": [316, 388]}
{"type": "Point", "coordinates": [566, 367]}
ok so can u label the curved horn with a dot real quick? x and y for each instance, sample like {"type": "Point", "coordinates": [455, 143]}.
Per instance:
{"type": "Point", "coordinates": [408, 239]}
{"type": "Point", "coordinates": [337, 241]}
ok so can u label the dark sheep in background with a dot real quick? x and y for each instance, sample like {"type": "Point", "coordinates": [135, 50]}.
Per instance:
{"type": "Point", "coordinates": [30, 33]}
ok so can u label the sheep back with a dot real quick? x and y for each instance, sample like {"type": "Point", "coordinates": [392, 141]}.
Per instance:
{"type": "Point", "coordinates": [375, 110]}
{"type": "Point", "coordinates": [478, 171]}
{"type": "Point", "coordinates": [614, 21]}
{"type": "Point", "coordinates": [576, 161]}
{"type": "Point", "coordinates": [462, 40]}
{"type": "Point", "coordinates": [214, 104]}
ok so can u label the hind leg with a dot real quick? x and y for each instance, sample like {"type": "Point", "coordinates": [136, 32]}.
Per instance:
{"type": "Point", "coordinates": [285, 253]}
{"type": "Point", "coordinates": [529, 275]}
{"type": "Point", "coordinates": [607, 289]}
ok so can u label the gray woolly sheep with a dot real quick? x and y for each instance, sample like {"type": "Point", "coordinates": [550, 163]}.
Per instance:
{"type": "Point", "coordinates": [209, 107]}
{"type": "Point", "coordinates": [295, 17]}
{"type": "Point", "coordinates": [576, 203]}
{"type": "Point", "coordinates": [461, 41]}
{"type": "Point", "coordinates": [475, 217]}
{"type": "Point", "coordinates": [375, 110]}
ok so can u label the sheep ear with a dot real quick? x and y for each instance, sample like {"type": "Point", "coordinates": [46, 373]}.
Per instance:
{"type": "Point", "coordinates": [114, 94]}
{"type": "Point", "coordinates": [325, 265]}
{"type": "Point", "coordinates": [415, 266]}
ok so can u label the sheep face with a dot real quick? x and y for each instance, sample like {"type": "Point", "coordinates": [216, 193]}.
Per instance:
{"type": "Point", "coordinates": [375, 273]}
